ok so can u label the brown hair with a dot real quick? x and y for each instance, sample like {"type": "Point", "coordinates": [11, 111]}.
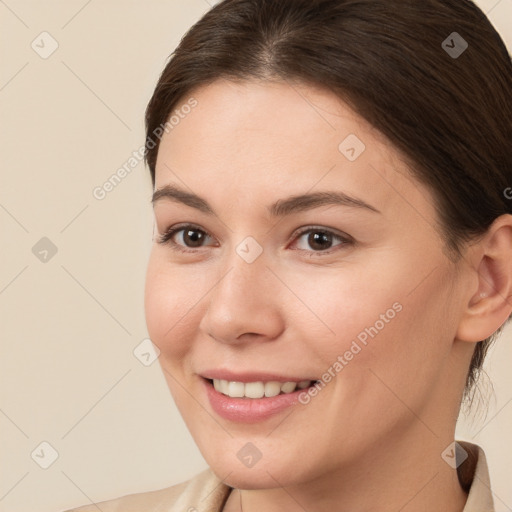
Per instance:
{"type": "Point", "coordinates": [448, 114]}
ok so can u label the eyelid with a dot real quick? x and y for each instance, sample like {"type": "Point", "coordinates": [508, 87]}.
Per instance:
{"type": "Point", "coordinates": [335, 232]}
{"type": "Point", "coordinates": [344, 238]}
{"type": "Point", "coordinates": [166, 238]}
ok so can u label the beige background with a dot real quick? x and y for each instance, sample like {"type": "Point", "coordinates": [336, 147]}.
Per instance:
{"type": "Point", "coordinates": [69, 325]}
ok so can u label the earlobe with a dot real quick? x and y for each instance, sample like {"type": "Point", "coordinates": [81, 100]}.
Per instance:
{"type": "Point", "coordinates": [490, 306]}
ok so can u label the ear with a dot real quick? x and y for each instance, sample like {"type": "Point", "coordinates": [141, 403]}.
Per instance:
{"type": "Point", "coordinates": [490, 306]}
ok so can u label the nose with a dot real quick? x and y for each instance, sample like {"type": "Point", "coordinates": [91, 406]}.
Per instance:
{"type": "Point", "coordinates": [244, 303]}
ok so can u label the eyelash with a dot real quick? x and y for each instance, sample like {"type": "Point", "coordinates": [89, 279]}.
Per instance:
{"type": "Point", "coordinates": [166, 239]}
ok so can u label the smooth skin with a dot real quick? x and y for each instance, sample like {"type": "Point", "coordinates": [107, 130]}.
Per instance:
{"type": "Point", "coordinates": [372, 439]}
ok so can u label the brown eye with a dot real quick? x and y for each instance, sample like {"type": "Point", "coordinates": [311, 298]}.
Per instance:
{"type": "Point", "coordinates": [320, 240]}
{"type": "Point", "coordinates": [191, 238]}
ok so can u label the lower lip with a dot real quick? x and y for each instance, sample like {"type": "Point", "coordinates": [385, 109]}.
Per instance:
{"type": "Point", "coordinates": [249, 410]}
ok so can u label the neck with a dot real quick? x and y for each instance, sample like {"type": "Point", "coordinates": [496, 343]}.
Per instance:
{"type": "Point", "coordinates": [405, 476]}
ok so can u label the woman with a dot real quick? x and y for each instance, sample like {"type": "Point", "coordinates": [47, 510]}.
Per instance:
{"type": "Point", "coordinates": [333, 205]}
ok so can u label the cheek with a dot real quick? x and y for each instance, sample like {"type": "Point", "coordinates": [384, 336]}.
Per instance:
{"type": "Point", "coordinates": [343, 304]}
{"type": "Point", "coordinates": [402, 361]}
{"type": "Point", "coordinates": [374, 316]}
{"type": "Point", "coordinates": [169, 306]}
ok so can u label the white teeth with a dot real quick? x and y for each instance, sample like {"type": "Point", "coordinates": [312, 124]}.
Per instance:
{"type": "Point", "coordinates": [236, 389]}
{"type": "Point", "coordinates": [288, 387]}
{"type": "Point", "coordinates": [257, 389]}
{"type": "Point", "coordinates": [224, 386]}
{"type": "Point", "coordinates": [272, 388]}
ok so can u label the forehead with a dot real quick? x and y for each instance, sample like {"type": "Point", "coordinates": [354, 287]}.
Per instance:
{"type": "Point", "coordinates": [281, 138]}
{"type": "Point", "coordinates": [227, 111]}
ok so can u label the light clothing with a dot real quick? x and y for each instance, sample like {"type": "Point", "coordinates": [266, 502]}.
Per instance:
{"type": "Point", "coordinates": [207, 493]}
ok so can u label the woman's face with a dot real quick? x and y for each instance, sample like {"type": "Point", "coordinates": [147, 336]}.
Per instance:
{"type": "Point", "coordinates": [348, 286]}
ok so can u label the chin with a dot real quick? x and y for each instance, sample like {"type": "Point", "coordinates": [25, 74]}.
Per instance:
{"type": "Point", "coordinates": [276, 470]}
{"type": "Point", "coordinates": [252, 478]}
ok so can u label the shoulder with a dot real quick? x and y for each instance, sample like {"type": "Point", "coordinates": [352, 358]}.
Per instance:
{"type": "Point", "coordinates": [204, 492]}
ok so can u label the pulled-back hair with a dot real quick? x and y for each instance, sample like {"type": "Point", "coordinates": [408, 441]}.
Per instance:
{"type": "Point", "coordinates": [399, 65]}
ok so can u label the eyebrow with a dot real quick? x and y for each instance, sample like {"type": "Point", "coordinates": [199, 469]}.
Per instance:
{"type": "Point", "coordinates": [280, 208]}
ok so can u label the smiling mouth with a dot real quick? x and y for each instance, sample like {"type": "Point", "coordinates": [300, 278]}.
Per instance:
{"type": "Point", "coordinates": [258, 389]}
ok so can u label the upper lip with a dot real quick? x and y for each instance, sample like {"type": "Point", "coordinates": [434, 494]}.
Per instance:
{"type": "Point", "coordinates": [252, 376]}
